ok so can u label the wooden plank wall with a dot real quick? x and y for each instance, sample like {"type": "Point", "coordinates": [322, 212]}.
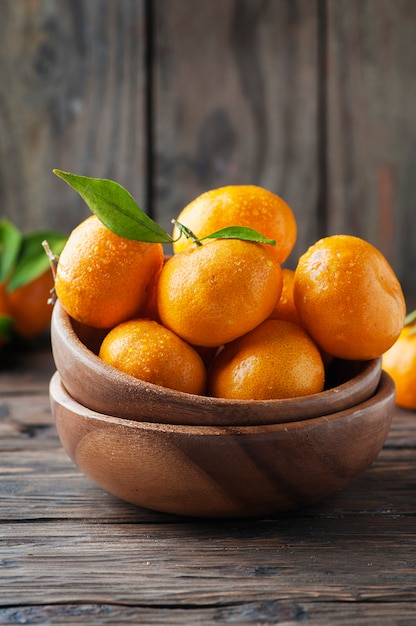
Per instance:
{"type": "Point", "coordinates": [313, 99]}
{"type": "Point", "coordinates": [72, 96]}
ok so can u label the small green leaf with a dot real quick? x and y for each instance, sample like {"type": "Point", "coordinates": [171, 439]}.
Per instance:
{"type": "Point", "coordinates": [410, 318]}
{"type": "Point", "coordinates": [116, 208]}
{"type": "Point", "coordinates": [10, 240]}
{"type": "Point", "coordinates": [6, 324]}
{"type": "Point", "coordinates": [32, 260]}
{"type": "Point", "coordinates": [239, 232]}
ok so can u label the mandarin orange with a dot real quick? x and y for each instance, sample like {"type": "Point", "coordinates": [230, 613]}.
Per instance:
{"type": "Point", "coordinates": [400, 362]}
{"type": "Point", "coordinates": [212, 293]}
{"type": "Point", "coordinates": [103, 279]}
{"type": "Point", "coordinates": [30, 306]}
{"type": "Point", "coordinates": [275, 360]}
{"type": "Point", "coordinates": [348, 297]}
{"type": "Point", "coordinates": [147, 350]}
{"type": "Point", "coordinates": [240, 205]}
{"type": "Point", "coordinates": [285, 308]}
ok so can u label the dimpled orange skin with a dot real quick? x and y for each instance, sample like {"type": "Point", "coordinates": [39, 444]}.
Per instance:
{"type": "Point", "coordinates": [103, 279]}
{"type": "Point", "coordinates": [240, 205]}
{"type": "Point", "coordinates": [212, 294]}
{"type": "Point", "coordinates": [30, 308]}
{"type": "Point", "coordinates": [400, 362]}
{"type": "Point", "coordinates": [285, 308]}
{"type": "Point", "coordinates": [348, 298]}
{"type": "Point", "coordinates": [148, 351]}
{"type": "Point", "coordinates": [275, 360]}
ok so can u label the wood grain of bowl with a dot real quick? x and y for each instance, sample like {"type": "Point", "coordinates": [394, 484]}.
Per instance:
{"type": "Point", "coordinates": [223, 471]}
{"type": "Point", "coordinates": [100, 387]}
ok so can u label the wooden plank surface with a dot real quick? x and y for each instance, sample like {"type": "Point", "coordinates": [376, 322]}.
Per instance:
{"type": "Point", "coordinates": [70, 553]}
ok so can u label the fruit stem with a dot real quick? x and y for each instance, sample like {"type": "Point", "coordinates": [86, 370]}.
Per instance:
{"type": "Point", "coordinates": [53, 260]}
{"type": "Point", "coordinates": [184, 230]}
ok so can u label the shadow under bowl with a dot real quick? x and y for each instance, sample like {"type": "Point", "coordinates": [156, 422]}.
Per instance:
{"type": "Point", "coordinates": [223, 471]}
{"type": "Point", "coordinates": [102, 388]}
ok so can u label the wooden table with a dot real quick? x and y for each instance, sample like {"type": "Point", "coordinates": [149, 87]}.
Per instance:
{"type": "Point", "coordinates": [72, 554]}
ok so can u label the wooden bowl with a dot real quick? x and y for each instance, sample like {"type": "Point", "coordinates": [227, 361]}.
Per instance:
{"type": "Point", "coordinates": [100, 387]}
{"type": "Point", "coordinates": [223, 471]}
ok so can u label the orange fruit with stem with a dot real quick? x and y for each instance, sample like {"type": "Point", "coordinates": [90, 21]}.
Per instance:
{"type": "Point", "coordinates": [275, 360]}
{"type": "Point", "coordinates": [26, 281]}
{"type": "Point", "coordinates": [240, 205]}
{"type": "Point", "coordinates": [103, 279]}
{"type": "Point", "coordinates": [400, 362]}
{"type": "Point", "coordinates": [349, 298]}
{"type": "Point", "coordinates": [212, 293]}
{"type": "Point", "coordinates": [147, 350]}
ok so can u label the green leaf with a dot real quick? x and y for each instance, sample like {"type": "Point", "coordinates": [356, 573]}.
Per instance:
{"type": "Point", "coordinates": [32, 260]}
{"type": "Point", "coordinates": [116, 208]}
{"type": "Point", "coordinates": [239, 232]}
{"type": "Point", "coordinates": [6, 324]}
{"type": "Point", "coordinates": [10, 240]}
{"type": "Point", "coordinates": [410, 318]}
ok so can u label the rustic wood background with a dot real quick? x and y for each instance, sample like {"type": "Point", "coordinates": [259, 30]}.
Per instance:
{"type": "Point", "coordinates": [313, 99]}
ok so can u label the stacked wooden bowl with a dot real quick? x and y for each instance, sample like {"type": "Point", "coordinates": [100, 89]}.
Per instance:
{"type": "Point", "coordinates": [209, 457]}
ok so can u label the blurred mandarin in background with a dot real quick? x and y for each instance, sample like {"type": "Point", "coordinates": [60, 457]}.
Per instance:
{"type": "Point", "coordinates": [400, 362]}
{"type": "Point", "coordinates": [31, 306]}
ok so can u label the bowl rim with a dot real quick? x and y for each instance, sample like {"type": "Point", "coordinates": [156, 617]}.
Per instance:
{"type": "Point", "coordinates": [383, 396]}
{"type": "Point", "coordinates": [318, 404]}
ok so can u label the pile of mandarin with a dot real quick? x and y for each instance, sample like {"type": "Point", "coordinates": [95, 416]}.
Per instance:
{"type": "Point", "coordinates": [223, 316]}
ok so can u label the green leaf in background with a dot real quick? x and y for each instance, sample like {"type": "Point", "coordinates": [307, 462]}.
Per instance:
{"type": "Point", "coordinates": [6, 324]}
{"type": "Point", "coordinates": [116, 208]}
{"type": "Point", "coordinates": [239, 232]}
{"type": "Point", "coordinates": [10, 241]}
{"type": "Point", "coordinates": [410, 318]}
{"type": "Point", "coordinates": [32, 260]}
